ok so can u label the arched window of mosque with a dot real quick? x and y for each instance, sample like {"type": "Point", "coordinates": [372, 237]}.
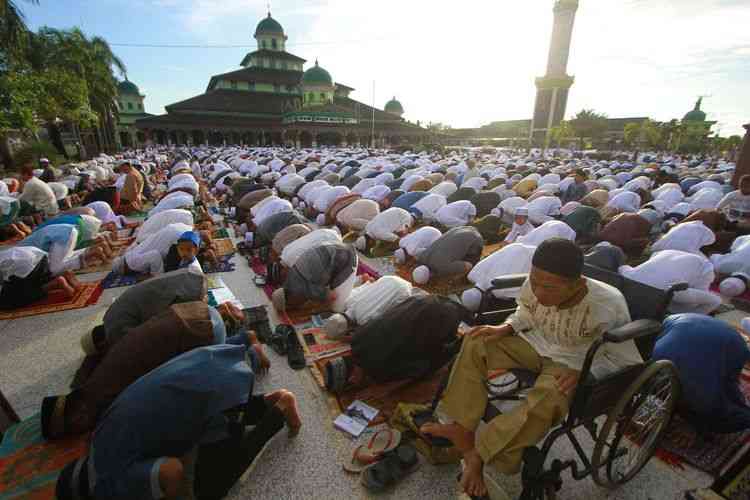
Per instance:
{"type": "Point", "coordinates": [140, 106]}
{"type": "Point", "coordinates": [130, 105]}
{"type": "Point", "coordinates": [262, 44]}
{"type": "Point", "coordinates": [273, 43]}
{"type": "Point", "coordinates": [234, 85]}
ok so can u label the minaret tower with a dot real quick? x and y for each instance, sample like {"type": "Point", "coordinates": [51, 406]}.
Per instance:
{"type": "Point", "coordinates": [552, 88]}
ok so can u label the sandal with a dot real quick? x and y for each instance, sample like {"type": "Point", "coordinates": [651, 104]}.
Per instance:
{"type": "Point", "coordinates": [394, 466]}
{"type": "Point", "coordinates": [278, 340]}
{"type": "Point", "coordinates": [381, 442]}
{"type": "Point", "coordinates": [294, 350]}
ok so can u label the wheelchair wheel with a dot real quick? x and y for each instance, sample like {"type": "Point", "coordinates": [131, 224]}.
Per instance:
{"type": "Point", "coordinates": [635, 425]}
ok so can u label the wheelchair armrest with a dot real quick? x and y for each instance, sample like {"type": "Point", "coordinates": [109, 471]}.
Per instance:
{"type": "Point", "coordinates": [509, 281]}
{"type": "Point", "coordinates": [633, 330]}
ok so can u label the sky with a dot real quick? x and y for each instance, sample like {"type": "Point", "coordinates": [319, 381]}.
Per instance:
{"type": "Point", "coordinates": [465, 63]}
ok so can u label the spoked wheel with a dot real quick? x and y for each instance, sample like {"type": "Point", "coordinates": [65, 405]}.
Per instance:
{"type": "Point", "coordinates": [635, 425]}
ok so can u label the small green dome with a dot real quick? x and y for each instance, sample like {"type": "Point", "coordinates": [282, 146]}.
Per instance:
{"type": "Point", "coordinates": [317, 76]}
{"type": "Point", "coordinates": [393, 106]}
{"type": "Point", "coordinates": [696, 115]}
{"type": "Point", "coordinates": [128, 87]}
{"type": "Point", "coordinates": [269, 26]}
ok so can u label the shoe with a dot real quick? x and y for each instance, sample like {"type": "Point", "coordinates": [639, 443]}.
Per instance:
{"type": "Point", "coordinates": [294, 351]}
{"type": "Point", "coordinates": [279, 339]}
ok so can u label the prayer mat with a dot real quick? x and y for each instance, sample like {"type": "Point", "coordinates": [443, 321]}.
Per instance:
{"type": "Point", "coordinates": [56, 302]}
{"type": "Point", "coordinates": [113, 280]}
{"type": "Point", "coordinates": [439, 286]}
{"type": "Point", "coordinates": [386, 396]}
{"type": "Point", "coordinates": [713, 453]}
{"type": "Point", "coordinates": [224, 266]}
{"type": "Point", "coordinates": [318, 346]}
{"type": "Point", "coordinates": [490, 249]}
{"type": "Point", "coordinates": [224, 246]}
{"type": "Point", "coordinates": [29, 465]}
{"type": "Point", "coordinates": [220, 233]}
{"type": "Point", "coordinates": [105, 266]}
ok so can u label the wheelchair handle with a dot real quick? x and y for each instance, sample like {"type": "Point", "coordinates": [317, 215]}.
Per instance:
{"type": "Point", "coordinates": [509, 281]}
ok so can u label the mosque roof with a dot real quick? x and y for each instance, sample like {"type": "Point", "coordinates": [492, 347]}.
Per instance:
{"type": "Point", "coordinates": [393, 106]}
{"type": "Point", "coordinates": [256, 74]}
{"type": "Point", "coordinates": [269, 26]}
{"type": "Point", "coordinates": [317, 76]}
{"type": "Point", "coordinates": [273, 54]}
{"type": "Point", "coordinates": [696, 115]}
{"type": "Point", "coordinates": [128, 87]}
{"type": "Point", "coordinates": [234, 101]}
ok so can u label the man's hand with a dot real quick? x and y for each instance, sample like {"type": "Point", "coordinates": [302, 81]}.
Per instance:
{"type": "Point", "coordinates": [567, 381]}
{"type": "Point", "coordinates": [488, 331]}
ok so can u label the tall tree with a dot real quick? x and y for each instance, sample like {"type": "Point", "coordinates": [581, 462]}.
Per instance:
{"type": "Point", "coordinates": [13, 30]}
{"type": "Point", "coordinates": [562, 134]}
{"type": "Point", "coordinates": [644, 134]}
{"type": "Point", "coordinates": [588, 124]}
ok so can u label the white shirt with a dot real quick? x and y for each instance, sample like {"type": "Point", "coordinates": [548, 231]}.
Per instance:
{"type": "Point", "coordinates": [420, 240]}
{"type": "Point", "coordinates": [704, 185]}
{"type": "Point", "coordinates": [272, 208]}
{"type": "Point", "coordinates": [386, 224]}
{"type": "Point", "coordinates": [429, 205]}
{"type": "Point", "coordinates": [551, 229]}
{"type": "Point", "coordinates": [543, 209]}
{"type": "Point", "coordinates": [476, 183]}
{"type": "Point", "coordinates": [627, 201]}
{"type": "Point", "coordinates": [371, 300]}
{"type": "Point", "coordinates": [376, 193]}
{"type": "Point", "coordinates": [19, 261]}
{"type": "Point", "coordinates": [458, 213]}
{"type": "Point", "coordinates": [363, 186]}
{"type": "Point", "coordinates": [519, 230]}
{"type": "Point", "coordinates": [670, 197]}
{"type": "Point", "coordinates": [309, 188]}
{"type": "Point", "coordinates": [687, 237]}
{"type": "Point", "coordinates": [325, 200]}
{"type": "Point", "coordinates": [384, 178]}
{"type": "Point", "coordinates": [39, 195]}
{"type": "Point", "coordinates": [735, 261]}
{"type": "Point", "coordinates": [162, 219]}
{"type": "Point", "coordinates": [446, 189]}
{"type": "Point", "coordinates": [410, 181]}
{"type": "Point", "coordinates": [295, 249]}
{"type": "Point", "coordinates": [706, 198]}
{"type": "Point", "coordinates": [161, 240]}
{"type": "Point", "coordinates": [177, 199]}
{"type": "Point", "coordinates": [289, 183]}
{"type": "Point", "coordinates": [511, 259]}
{"type": "Point", "coordinates": [509, 205]}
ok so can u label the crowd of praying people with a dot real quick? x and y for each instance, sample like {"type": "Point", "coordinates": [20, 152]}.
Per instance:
{"type": "Point", "coordinates": [316, 215]}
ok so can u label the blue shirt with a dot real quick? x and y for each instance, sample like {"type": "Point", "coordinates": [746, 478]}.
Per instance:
{"type": "Point", "coordinates": [165, 414]}
{"type": "Point", "coordinates": [407, 201]}
{"type": "Point", "coordinates": [46, 236]}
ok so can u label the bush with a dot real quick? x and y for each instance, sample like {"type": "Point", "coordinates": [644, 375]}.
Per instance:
{"type": "Point", "coordinates": [35, 151]}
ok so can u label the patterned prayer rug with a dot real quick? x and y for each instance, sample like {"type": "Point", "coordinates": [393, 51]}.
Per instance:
{"type": "Point", "coordinates": [221, 233]}
{"type": "Point", "coordinates": [224, 246]}
{"type": "Point", "coordinates": [29, 465]}
{"type": "Point", "coordinates": [56, 302]}
{"type": "Point", "coordinates": [224, 266]}
{"type": "Point", "coordinates": [113, 280]}
{"type": "Point", "coordinates": [439, 286]}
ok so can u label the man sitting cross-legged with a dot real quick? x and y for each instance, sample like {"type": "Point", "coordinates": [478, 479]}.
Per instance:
{"type": "Point", "coordinates": [560, 313]}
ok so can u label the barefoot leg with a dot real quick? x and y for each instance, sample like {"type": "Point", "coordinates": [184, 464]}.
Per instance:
{"type": "Point", "coordinates": [472, 479]}
{"type": "Point", "coordinates": [287, 404]}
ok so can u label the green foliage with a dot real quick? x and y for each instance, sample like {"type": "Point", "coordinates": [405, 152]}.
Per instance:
{"type": "Point", "coordinates": [37, 150]}
{"type": "Point", "coordinates": [644, 134]}
{"type": "Point", "coordinates": [588, 124]}
{"type": "Point", "coordinates": [562, 134]}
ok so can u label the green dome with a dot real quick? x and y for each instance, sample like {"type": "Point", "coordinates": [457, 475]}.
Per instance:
{"type": "Point", "coordinates": [696, 115]}
{"type": "Point", "coordinates": [269, 25]}
{"type": "Point", "coordinates": [128, 87]}
{"type": "Point", "coordinates": [393, 106]}
{"type": "Point", "coordinates": [317, 76]}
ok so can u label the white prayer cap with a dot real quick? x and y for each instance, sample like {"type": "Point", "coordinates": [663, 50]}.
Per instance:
{"type": "Point", "coordinates": [279, 299]}
{"type": "Point", "coordinates": [421, 275]}
{"type": "Point", "coordinates": [249, 237]}
{"type": "Point", "coordinates": [732, 287]}
{"type": "Point", "coordinates": [118, 264]}
{"type": "Point", "coordinates": [335, 326]}
{"type": "Point", "coordinates": [321, 220]}
{"type": "Point", "coordinates": [361, 243]}
{"type": "Point", "coordinates": [400, 255]}
{"type": "Point", "coordinates": [496, 212]}
{"type": "Point", "coordinates": [522, 211]}
{"type": "Point", "coordinates": [472, 299]}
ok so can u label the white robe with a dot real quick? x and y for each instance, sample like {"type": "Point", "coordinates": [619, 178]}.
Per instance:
{"type": "Point", "coordinates": [387, 223]}
{"type": "Point", "coordinates": [543, 209]}
{"type": "Point", "coordinates": [707, 199]}
{"type": "Point", "coordinates": [458, 213]}
{"type": "Point", "coordinates": [272, 208]}
{"type": "Point", "coordinates": [551, 229]}
{"type": "Point", "coordinates": [429, 205]}
{"type": "Point", "coordinates": [736, 261]}
{"type": "Point", "coordinates": [420, 240]}
{"type": "Point", "coordinates": [511, 259]}
{"type": "Point", "coordinates": [325, 200]}
{"type": "Point", "coordinates": [295, 249]}
{"type": "Point", "coordinates": [308, 188]}
{"type": "Point", "coordinates": [148, 256]}
{"type": "Point", "coordinates": [371, 300]}
{"type": "Point", "coordinates": [671, 267]}
{"type": "Point", "coordinates": [687, 237]}
{"type": "Point", "coordinates": [445, 188]}
{"type": "Point", "coordinates": [376, 193]}
{"type": "Point", "coordinates": [289, 183]}
{"type": "Point", "coordinates": [626, 201]}
{"type": "Point", "coordinates": [161, 220]}
{"type": "Point", "coordinates": [363, 186]}
{"type": "Point", "coordinates": [172, 201]}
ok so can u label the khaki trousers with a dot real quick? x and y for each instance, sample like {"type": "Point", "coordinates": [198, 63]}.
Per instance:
{"type": "Point", "coordinates": [502, 442]}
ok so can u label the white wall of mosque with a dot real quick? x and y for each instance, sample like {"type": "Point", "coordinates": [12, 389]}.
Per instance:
{"type": "Point", "coordinates": [271, 42]}
{"type": "Point", "coordinates": [267, 62]}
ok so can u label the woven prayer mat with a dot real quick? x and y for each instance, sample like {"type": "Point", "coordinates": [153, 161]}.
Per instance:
{"type": "Point", "coordinates": [490, 249]}
{"type": "Point", "coordinates": [224, 246]}
{"type": "Point", "coordinates": [439, 286]}
{"type": "Point", "coordinates": [114, 280]}
{"type": "Point", "coordinates": [386, 396]}
{"type": "Point", "coordinates": [29, 465]}
{"type": "Point", "coordinates": [220, 233]}
{"type": "Point", "coordinates": [56, 302]}
{"type": "Point", "coordinates": [712, 453]}
{"type": "Point", "coordinates": [224, 266]}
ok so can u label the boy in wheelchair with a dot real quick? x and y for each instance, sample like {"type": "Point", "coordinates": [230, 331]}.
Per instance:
{"type": "Point", "coordinates": [560, 314]}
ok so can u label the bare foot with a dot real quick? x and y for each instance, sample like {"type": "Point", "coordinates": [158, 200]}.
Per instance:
{"type": "Point", "coordinates": [472, 479]}
{"type": "Point", "coordinates": [72, 280]}
{"type": "Point", "coordinates": [62, 284]}
{"type": "Point", "coordinates": [287, 405]}
{"type": "Point", "coordinates": [265, 363]}
{"type": "Point", "coordinates": [461, 438]}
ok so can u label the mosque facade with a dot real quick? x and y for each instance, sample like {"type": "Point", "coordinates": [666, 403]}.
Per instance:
{"type": "Point", "coordinates": [272, 100]}
{"type": "Point", "coordinates": [130, 107]}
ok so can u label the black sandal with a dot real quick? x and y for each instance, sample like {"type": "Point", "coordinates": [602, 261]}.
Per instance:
{"type": "Point", "coordinates": [295, 352]}
{"type": "Point", "coordinates": [393, 467]}
{"type": "Point", "coordinates": [427, 417]}
{"type": "Point", "coordinates": [278, 339]}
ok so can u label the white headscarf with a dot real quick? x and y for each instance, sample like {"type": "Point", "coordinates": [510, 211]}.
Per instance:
{"type": "Point", "coordinates": [19, 261]}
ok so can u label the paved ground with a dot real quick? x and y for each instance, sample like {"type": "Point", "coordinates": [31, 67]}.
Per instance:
{"type": "Point", "coordinates": [38, 356]}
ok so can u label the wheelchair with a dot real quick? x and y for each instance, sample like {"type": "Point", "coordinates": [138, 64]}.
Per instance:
{"type": "Point", "coordinates": [638, 402]}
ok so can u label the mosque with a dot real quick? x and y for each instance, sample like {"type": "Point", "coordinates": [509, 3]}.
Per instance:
{"type": "Point", "coordinates": [272, 101]}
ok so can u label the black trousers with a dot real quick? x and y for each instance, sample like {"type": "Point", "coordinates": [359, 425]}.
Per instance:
{"type": "Point", "coordinates": [219, 465]}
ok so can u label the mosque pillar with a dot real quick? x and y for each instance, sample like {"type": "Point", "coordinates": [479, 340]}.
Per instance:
{"type": "Point", "coordinates": [743, 160]}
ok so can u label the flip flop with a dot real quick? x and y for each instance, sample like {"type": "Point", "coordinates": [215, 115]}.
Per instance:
{"type": "Point", "coordinates": [393, 467]}
{"type": "Point", "coordinates": [383, 441]}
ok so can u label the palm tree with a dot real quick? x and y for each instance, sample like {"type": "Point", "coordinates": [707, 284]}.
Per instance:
{"type": "Point", "coordinates": [13, 29]}
{"type": "Point", "coordinates": [562, 134]}
{"type": "Point", "coordinates": [588, 124]}
{"type": "Point", "coordinates": [643, 134]}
